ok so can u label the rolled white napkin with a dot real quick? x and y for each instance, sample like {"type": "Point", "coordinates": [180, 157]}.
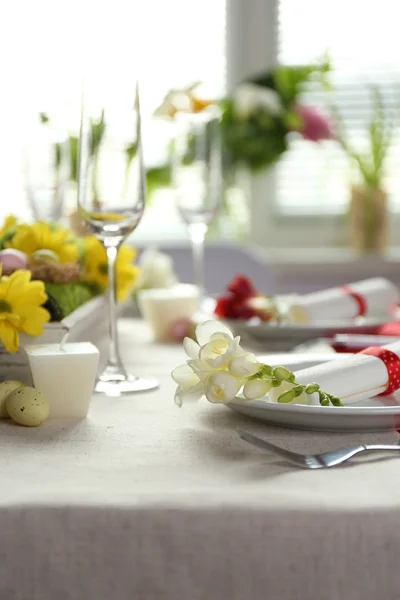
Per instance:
{"type": "Point", "coordinates": [352, 378]}
{"type": "Point", "coordinates": [377, 296]}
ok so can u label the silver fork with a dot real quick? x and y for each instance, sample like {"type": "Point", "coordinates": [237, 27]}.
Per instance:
{"type": "Point", "coordinates": [315, 461]}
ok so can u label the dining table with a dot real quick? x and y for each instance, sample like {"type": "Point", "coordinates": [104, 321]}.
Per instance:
{"type": "Point", "coordinates": [143, 500]}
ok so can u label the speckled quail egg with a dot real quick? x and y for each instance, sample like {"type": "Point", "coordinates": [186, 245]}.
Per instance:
{"type": "Point", "coordinates": [26, 406]}
{"type": "Point", "coordinates": [6, 387]}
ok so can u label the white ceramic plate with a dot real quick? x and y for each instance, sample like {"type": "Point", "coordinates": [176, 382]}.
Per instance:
{"type": "Point", "coordinates": [299, 333]}
{"type": "Point", "coordinates": [372, 414]}
{"type": "Point", "coordinates": [283, 337]}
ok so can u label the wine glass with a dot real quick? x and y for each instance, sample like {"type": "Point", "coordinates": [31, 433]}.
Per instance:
{"type": "Point", "coordinates": [197, 179]}
{"type": "Point", "coordinates": [111, 200]}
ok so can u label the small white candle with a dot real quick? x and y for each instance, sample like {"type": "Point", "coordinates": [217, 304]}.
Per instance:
{"type": "Point", "coordinates": [162, 307]}
{"type": "Point", "coordinates": [65, 375]}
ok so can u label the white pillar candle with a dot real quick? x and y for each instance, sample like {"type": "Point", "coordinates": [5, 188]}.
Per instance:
{"type": "Point", "coordinates": [162, 307]}
{"type": "Point", "coordinates": [65, 375]}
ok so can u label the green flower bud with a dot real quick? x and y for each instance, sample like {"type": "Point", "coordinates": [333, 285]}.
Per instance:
{"type": "Point", "coordinates": [323, 399]}
{"type": "Point", "coordinates": [298, 390]}
{"type": "Point", "coordinates": [288, 396]}
{"type": "Point", "coordinates": [276, 382]}
{"type": "Point", "coordinates": [335, 400]}
{"type": "Point", "coordinates": [283, 374]}
{"type": "Point", "coordinates": [311, 388]}
{"type": "Point", "coordinates": [266, 370]}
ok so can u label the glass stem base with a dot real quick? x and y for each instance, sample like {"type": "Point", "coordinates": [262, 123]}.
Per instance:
{"type": "Point", "coordinates": [114, 379]}
{"type": "Point", "coordinates": [114, 383]}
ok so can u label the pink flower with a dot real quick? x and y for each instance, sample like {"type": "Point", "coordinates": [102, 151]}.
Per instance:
{"type": "Point", "coordinates": [316, 126]}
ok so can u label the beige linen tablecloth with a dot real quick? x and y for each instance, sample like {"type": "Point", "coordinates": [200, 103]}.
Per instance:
{"type": "Point", "coordinates": [143, 501]}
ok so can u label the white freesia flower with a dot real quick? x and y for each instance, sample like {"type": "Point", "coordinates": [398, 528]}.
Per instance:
{"type": "Point", "coordinates": [191, 348]}
{"type": "Point", "coordinates": [221, 387]}
{"type": "Point", "coordinates": [250, 97]}
{"type": "Point", "coordinates": [156, 270]}
{"type": "Point", "coordinates": [218, 367]}
{"type": "Point", "coordinates": [207, 368]}
{"type": "Point", "coordinates": [189, 385]}
{"type": "Point", "coordinates": [244, 365]}
{"type": "Point", "coordinates": [256, 388]}
{"type": "Point", "coordinates": [205, 330]}
{"type": "Point", "coordinates": [219, 351]}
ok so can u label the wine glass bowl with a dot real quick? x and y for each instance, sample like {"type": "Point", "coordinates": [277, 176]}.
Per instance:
{"type": "Point", "coordinates": [197, 178]}
{"type": "Point", "coordinates": [111, 201]}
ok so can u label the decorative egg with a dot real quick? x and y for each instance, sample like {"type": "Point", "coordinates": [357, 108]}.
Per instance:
{"type": "Point", "coordinates": [43, 256]}
{"type": "Point", "coordinates": [6, 387]}
{"type": "Point", "coordinates": [26, 406]}
{"type": "Point", "coordinates": [12, 260]}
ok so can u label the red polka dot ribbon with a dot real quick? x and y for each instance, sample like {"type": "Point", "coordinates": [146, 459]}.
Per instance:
{"type": "Point", "coordinates": [392, 364]}
{"type": "Point", "coordinates": [358, 299]}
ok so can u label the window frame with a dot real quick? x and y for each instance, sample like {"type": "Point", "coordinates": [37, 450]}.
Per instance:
{"type": "Point", "coordinates": [252, 46]}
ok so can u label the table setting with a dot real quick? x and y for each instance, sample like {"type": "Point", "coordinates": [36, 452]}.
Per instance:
{"type": "Point", "coordinates": [194, 477]}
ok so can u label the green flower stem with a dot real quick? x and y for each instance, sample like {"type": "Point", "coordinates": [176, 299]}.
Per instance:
{"type": "Point", "coordinates": [278, 375]}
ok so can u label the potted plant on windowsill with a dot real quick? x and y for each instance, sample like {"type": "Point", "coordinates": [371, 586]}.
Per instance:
{"type": "Point", "coordinates": [368, 208]}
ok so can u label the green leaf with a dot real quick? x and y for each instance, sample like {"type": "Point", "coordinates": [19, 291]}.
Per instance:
{"type": "Point", "coordinates": [57, 152]}
{"type": "Point", "coordinates": [131, 151]}
{"type": "Point", "coordinates": [73, 150]}
{"type": "Point", "coordinates": [7, 236]}
{"type": "Point", "coordinates": [98, 129]}
{"type": "Point", "coordinates": [292, 120]}
{"type": "Point", "coordinates": [157, 178]}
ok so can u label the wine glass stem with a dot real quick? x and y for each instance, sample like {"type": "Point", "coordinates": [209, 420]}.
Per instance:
{"type": "Point", "coordinates": [197, 233]}
{"type": "Point", "coordinates": [114, 359]}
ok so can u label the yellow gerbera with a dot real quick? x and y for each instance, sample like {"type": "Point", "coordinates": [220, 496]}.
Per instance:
{"type": "Point", "coordinates": [39, 236]}
{"type": "Point", "coordinates": [9, 222]}
{"type": "Point", "coordinates": [95, 267]}
{"type": "Point", "coordinates": [20, 308]}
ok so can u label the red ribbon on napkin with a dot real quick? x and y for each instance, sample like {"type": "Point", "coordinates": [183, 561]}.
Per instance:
{"type": "Point", "coordinates": [392, 364]}
{"type": "Point", "coordinates": [358, 299]}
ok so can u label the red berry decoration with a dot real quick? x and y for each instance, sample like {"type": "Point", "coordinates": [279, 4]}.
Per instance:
{"type": "Point", "coordinates": [241, 287]}
{"type": "Point", "coordinates": [237, 303]}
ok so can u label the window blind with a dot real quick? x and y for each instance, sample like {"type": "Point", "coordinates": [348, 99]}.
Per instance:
{"type": "Point", "coordinates": [360, 39]}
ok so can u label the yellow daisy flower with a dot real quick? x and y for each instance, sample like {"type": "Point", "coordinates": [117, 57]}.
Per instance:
{"type": "Point", "coordinates": [20, 308]}
{"type": "Point", "coordinates": [9, 222]}
{"type": "Point", "coordinates": [95, 267]}
{"type": "Point", "coordinates": [39, 236]}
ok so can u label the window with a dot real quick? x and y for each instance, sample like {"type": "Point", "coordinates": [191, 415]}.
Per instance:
{"type": "Point", "coordinates": [48, 44]}
{"type": "Point", "coordinates": [360, 38]}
